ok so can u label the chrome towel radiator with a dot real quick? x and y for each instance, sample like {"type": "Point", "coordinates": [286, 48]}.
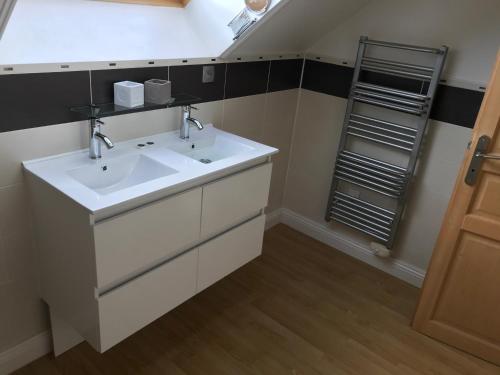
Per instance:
{"type": "Point", "coordinates": [398, 126]}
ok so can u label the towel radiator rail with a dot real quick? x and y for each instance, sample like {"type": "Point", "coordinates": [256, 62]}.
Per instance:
{"type": "Point", "coordinates": [369, 173]}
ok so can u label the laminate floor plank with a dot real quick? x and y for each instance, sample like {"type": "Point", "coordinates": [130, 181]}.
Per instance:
{"type": "Point", "coordinates": [302, 308]}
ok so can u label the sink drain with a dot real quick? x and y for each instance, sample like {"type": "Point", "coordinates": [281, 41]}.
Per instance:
{"type": "Point", "coordinates": [205, 161]}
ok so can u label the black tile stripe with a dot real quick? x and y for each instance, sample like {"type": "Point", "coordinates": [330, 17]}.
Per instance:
{"type": "Point", "coordinates": [457, 105]}
{"type": "Point", "coordinates": [32, 100]}
{"type": "Point", "coordinates": [327, 78]}
{"type": "Point", "coordinates": [452, 104]}
{"type": "Point", "coordinates": [39, 99]}
{"type": "Point", "coordinates": [102, 80]}
{"type": "Point", "coordinates": [285, 74]}
{"type": "Point", "coordinates": [399, 83]}
{"type": "Point", "coordinates": [246, 78]}
{"type": "Point", "coordinates": [187, 79]}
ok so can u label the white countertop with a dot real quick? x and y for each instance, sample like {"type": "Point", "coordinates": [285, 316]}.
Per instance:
{"type": "Point", "coordinates": [54, 169]}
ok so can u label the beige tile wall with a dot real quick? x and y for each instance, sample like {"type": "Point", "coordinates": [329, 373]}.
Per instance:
{"type": "Point", "coordinates": [313, 153]}
{"type": "Point", "coordinates": [264, 118]}
{"type": "Point", "coordinates": [22, 314]}
{"type": "Point", "coordinates": [316, 135]}
{"type": "Point", "coordinates": [268, 119]}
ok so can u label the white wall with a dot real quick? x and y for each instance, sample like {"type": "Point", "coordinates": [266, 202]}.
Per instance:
{"type": "Point", "coordinates": [296, 26]}
{"type": "Point", "coordinates": [210, 19]}
{"type": "Point", "coordinates": [56, 31]}
{"type": "Point", "coordinates": [472, 29]}
{"type": "Point", "coordinates": [62, 31]}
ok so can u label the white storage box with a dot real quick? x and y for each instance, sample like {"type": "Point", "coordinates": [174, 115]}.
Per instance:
{"type": "Point", "coordinates": [129, 94]}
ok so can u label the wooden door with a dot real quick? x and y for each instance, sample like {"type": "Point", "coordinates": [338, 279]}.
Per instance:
{"type": "Point", "coordinates": [460, 299]}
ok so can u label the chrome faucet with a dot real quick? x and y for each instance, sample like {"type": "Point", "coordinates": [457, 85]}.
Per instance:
{"type": "Point", "coordinates": [96, 137]}
{"type": "Point", "coordinates": [187, 121]}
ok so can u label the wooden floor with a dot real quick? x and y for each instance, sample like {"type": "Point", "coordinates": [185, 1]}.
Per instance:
{"type": "Point", "coordinates": [301, 308]}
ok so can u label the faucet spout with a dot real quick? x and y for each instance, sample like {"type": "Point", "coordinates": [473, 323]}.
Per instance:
{"type": "Point", "coordinates": [105, 139]}
{"type": "Point", "coordinates": [195, 122]}
{"type": "Point", "coordinates": [187, 121]}
{"type": "Point", "coordinates": [96, 138]}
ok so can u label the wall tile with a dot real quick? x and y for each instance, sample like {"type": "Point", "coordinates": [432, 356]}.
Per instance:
{"type": "Point", "coordinates": [14, 211]}
{"type": "Point", "coordinates": [33, 100]}
{"type": "Point", "coordinates": [247, 78]}
{"type": "Point", "coordinates": [399, 83]}
{"type": "Point", "coordinates": [141, 124]}
{"type": "Point", "coordinates": [285, 74]}
{"type": "Point", "coordinates": [278, 123]}
{"type": "Point", "coordinates": [23, 314]}
{"type": "Point", "coordinates": [312, 159]}
{"type": "Point", "coordinates": [430, 192]}
{"type": "Point", "coordinates": [4, 267]}
{"type": "Point", "coordinates": [278, 179]}
{"type": "Point", "coordinates": [102, 80]}
{"type": "Point", "coordinates": [245, 116]}
{"type": "Point", "coordinates": [27, 144]}
{"type": "Point", "coordinates": [314, 148]}
{"type": "Point", "coordinates": [187, 79]}
{"type": "Point", "coordinates": [457, 106]}
{"type": "Point", "coordinates": [277, 132]}
{"type": "Point", "coordinates": [269, 120]}
{"type": "Point", "coordinates": [453, 105]}
{"type": "Point", "coordinates": [327, 78]}
{"type": "Point", "coordinates": [210, 113]}
{"type": "Point", "coordinates": [20, 257]}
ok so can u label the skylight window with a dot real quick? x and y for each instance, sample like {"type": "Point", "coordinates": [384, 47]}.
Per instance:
{"type": "Point", "coordinates": [165, 3]}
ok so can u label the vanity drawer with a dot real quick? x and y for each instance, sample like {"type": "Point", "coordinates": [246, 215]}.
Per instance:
{"type": "Point", "coordinates": [228, 252]}
{"type": "Point", "coordinates": [132, 241]}
{"type": "Point", "coordinates": [233, 199]}
{"type": "Point", "coordinates": [134, 305]}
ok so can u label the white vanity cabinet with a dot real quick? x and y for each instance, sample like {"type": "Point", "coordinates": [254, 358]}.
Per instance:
{"type": "Point", "coordinates": [234, 199]}
{"type": "Point", "coordinates": [132, 306]}
{"type": "Point", "coordinates": [105, 280]}
{"type": "Point", "coordinates": [135, 240]}
{"type": "Point", "coordinates": [229, 251]}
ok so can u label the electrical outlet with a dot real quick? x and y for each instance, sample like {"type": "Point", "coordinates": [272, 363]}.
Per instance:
{"type": "Point", "coordinates": [208, 74]}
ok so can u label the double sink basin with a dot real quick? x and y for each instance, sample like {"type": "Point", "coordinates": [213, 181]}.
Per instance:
{"type": "Point", "coordinates": [146, 165]}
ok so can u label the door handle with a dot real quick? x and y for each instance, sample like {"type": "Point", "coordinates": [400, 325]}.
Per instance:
{"type": "Point", "coordinates": [488, 156]}
{"type": "Point", "coordinates": [480, 153]}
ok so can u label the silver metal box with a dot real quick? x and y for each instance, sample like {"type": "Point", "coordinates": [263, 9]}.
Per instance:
{"type": "Point", "coordinates": [157, 91]}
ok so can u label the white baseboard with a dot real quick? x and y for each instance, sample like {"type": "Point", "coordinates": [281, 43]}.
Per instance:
{"type": "Point", "coordinates": [322, 233]}
{"type": "Point", "coordinates": [25, 353]}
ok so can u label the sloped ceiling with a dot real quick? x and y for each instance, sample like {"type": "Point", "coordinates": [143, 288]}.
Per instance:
{"type": "Point", "coordinates": [56, 31]}
{"type": "Point", "coordinates": [295, 27]}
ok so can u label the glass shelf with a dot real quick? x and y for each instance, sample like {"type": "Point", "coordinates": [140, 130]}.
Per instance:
{"type": "Point", "coordinates": [111, 109]}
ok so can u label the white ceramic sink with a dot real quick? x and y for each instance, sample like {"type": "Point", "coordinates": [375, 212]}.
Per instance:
{"type": "Point", "coordinates": [211, 149]}
{"type": "Point", "coordinates": [109, 176]}
{"type": "Point", "coordinates": [131, 175]}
